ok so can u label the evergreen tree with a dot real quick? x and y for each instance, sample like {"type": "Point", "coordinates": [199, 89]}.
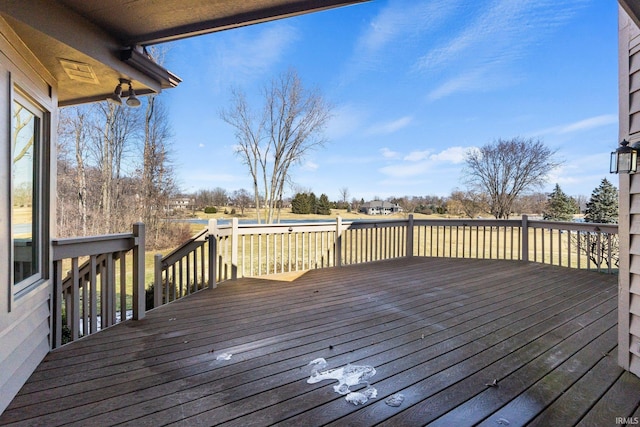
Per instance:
{"type": "Point", "coordinates": [560, 207]}
{"type": "Point", "coordinates": [602, 207]}
{"type": "Point", "coordinates": [301, 204]}
{"type": "Point", "coordinates": [313, 203]}
{"type": "Point", "coordinates": [324, 205]}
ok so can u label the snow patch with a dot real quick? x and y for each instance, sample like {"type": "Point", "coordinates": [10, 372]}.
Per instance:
{"type": "Point", "coordinates": [395, 400]}
{"type": "Point", "coordinates": [347, 377]}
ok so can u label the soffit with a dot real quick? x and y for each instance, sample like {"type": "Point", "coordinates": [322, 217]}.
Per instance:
{"type": "Point", "coordinates": [90, 35]}
{"type": "Point", "coordinates": [142, 22]}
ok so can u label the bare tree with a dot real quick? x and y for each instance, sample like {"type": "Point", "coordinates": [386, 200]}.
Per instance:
{"type": "Point", "coordinates": [74, 126]}
{"type": "Point", "coordinates": [219, 197]}
{"type": "Point", "coordinates": [241, 199]}
{"type": "Point", "coordinates": [533, 203]}
{"type": "Point", "coordinates": [289, 125]}
{"type": "Point", "coordinates": [505, 169]}
{"type": "Point", "coordinates": [344, 197]}
{"type": "Point", "coordinates": [158, 178]}
{"type": "Point", "coordinates": [114, 169]}
{"type": "Point", "coordinates": [470, 203]}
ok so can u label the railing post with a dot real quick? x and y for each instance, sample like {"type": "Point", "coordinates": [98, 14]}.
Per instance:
{"type": "Point", "coordinates": [338, 243]}
{"type": "Point", "coordinates": [157, 280]}
{"type": "Point", "coordinates": [234, 248]}
{"type": "Point", "coordinates": [409, 234]}
{"type": "Point", "coordinates": [138, 272]}
{"type": "Point", "coordinates": [525, 238]}
{"type": "Point", "coordinates": [213, 242]}
{"type": "Point", "coordinates": [56, 301]}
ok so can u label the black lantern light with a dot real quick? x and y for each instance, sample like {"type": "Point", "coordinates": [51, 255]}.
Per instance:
{"type": "Point", "coordinates": [624, 159]}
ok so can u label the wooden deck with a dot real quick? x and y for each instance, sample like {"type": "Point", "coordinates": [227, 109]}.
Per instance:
{"type": "Point", "coordinates": [438, 331]}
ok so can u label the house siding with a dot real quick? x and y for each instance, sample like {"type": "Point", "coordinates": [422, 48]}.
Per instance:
{"type": "Point", "coordinates": [629, 226]}
{"type": "Point", "coordinates": [24, 320]}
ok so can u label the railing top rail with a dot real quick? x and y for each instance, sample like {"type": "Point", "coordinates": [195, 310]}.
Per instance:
{"type": "Point", "coordinates": [358, 224]}
{"type": "Point", "coordinates": [575, 226]}
{"type": "Point", "coordinates": [91, 245]}
{"type": "Point", "coordinates": [180, 250]}
{"type": "Point", "coordinates": [469, 222]}
{"type": "Point", "coordinates": [307, 227]}
{"type": "Point", "coordinates": [284, 225]}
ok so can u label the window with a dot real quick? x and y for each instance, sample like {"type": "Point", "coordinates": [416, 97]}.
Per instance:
{"type": "Point", "coordinates": [26, 192]}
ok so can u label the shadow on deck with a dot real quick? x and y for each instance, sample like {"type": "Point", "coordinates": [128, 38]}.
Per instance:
{"type": "Point", "coordinates": [438, 331]}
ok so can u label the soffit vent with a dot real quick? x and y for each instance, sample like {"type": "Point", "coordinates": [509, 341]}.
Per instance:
{"type": "Point", "coordinates": [79, 71]}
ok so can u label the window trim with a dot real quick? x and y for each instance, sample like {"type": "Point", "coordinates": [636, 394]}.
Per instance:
{"type": "Point", "coordinates": [40, 232]}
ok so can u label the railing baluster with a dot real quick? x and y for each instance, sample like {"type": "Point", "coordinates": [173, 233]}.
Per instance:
{"type": "Point", "coordinates": [56, 339]}
{"type": "Point", "coordinates": [187, 273]}
{"type": "Point", "coordinates": [85, 307]}
{"type": "Point", "coordinates": [73, 309]}
{"type": "Point", "coordinates": [123, 286]}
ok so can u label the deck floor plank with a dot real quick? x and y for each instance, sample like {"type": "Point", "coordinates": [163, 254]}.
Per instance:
{"type": "Point", "coordinates": [341, 347]}
{"type": "Point", "coordinates": [507, 348]}
{"type": "Point", "coordinates": [436, 330]}
{"type": "Point", "coordinates": [620, 401]}
{"type": "Point", "coordinates": [571, 407]}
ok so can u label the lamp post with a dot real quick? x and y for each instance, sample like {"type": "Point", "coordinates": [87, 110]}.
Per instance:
{"type": "Point", "coordinates": [625, 158]}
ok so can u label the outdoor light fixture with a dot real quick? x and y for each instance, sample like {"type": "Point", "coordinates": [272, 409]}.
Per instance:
{"type": "Point", "coordinates": [116, 96]}
{"type": "Point", "coordinates": [133, 100]}
{"type": "Point", "coordinates": [625, 158]}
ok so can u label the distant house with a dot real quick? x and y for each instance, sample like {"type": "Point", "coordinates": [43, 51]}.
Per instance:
{"type": "Point", "coordinates": [378, 207]}
{"type": "Point", "coordinates": [180, 203]}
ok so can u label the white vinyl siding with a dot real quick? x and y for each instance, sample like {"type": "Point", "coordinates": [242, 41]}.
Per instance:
{"type": "Point", "coordinates": [629, 280]}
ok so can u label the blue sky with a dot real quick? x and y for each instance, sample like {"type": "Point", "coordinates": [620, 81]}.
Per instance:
{"type": "Point", "coordinates": [413, 84]}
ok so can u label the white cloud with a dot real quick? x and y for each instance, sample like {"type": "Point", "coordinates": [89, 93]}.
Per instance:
{"type": "Point", "coordinates": [589, 123]}
{"type": "Point", "coordinates": [469, 81]}
{"type": "Point", "coordinates": [390, 127]}
{"type": "Point", "coordinates": [421, 162]}
{"type": "Point", "coordinates": [396, 29]}
{"type": "Point", "coordinates": [487, 45]}
{"type": "Point", "coordinates": [388, 154]}
{"type": "Point", "coordinates": [402, 19]}
{"type": "Point", "coordinates": [455, 155]}
{"type": "Point", "coordinates": [201, 145]}
{"type": "Point", "coordinates": [244, 58]}
{"type": "Point", "coordinates": [310, 166]}
{"type": "Point", "coordinates": [416, 156]}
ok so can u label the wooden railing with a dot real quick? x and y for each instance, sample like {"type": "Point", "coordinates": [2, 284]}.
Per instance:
{"type": "Point", "coordinates": [97, 281]}
{"type": "Point", "coordinates": [100, 280]}
{"type": "Point", "coordinates": [255, 250]}
{"type": "Point", "coordinates": [187, 269]}
{"type": "Point", "coordinates": [568, 244]}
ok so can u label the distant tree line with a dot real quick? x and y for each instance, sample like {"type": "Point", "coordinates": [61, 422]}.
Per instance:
{"type": "Point", "coordinates": [556, 206]}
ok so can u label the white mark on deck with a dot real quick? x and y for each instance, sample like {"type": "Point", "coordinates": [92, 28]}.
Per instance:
{"type": "Point", "coordinates": [317, 364]}
{"type": "Point", "coordinates": [347, 376]}
{"type": "Point", "coordinates": [395, 400]}
{"type": "Point", "coordinates": [361, 397]}
{"type": "Point", "coordinates": [224, 356]}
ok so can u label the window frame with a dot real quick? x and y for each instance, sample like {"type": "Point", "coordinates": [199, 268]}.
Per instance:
{"type": "Point", "coordinates": [40, 202]}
